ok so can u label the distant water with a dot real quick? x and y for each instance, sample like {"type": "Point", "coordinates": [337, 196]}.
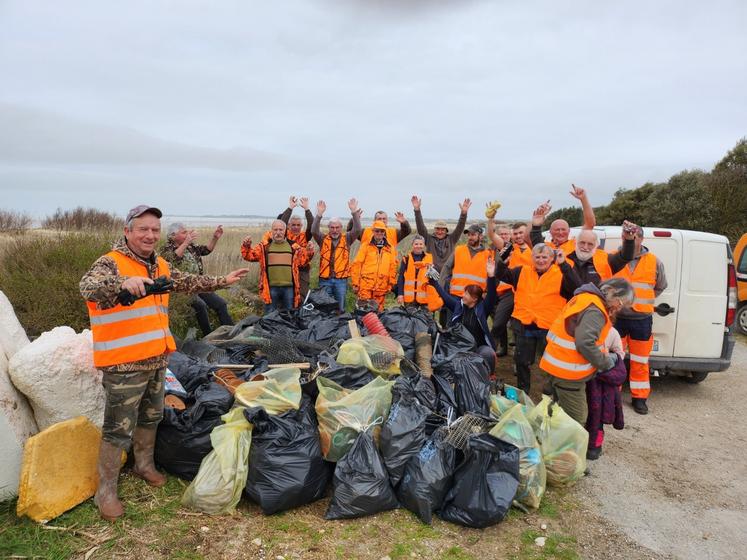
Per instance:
{"type": "Point", "coordinates": [207, 221]}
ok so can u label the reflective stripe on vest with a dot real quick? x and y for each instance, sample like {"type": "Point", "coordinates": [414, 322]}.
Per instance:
{"type": "Point", "coordinates": [537, 298]}
{"type": "Point", "coordinates": [133, 333]}
{"type": "Point", "coordinates": [342, 258]}
{"type": "Point", "coordinates": [561, 357]}
{"type": "Point", "coordinates": [468, 270]}
{"type": "Point", "coordinates": [643, 279]}
{"type": "Point", "coordinates": [417, 288]}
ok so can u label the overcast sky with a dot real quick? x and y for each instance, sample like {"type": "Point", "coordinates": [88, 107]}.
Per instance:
{"type": "Point", "coordinates": [229, 107]}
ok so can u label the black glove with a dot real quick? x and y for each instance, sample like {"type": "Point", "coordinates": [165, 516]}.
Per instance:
{"type": "Point", "coordinates": [160, 285]}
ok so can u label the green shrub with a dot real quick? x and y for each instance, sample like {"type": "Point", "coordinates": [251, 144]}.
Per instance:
{"type": "Point", "coordinates": [40, 274]}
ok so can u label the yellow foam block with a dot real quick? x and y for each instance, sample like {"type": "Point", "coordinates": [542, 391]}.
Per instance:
{"type": "Point", "coordinates": [59, 469]}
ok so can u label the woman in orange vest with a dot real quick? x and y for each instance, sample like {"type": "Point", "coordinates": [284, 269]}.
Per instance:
{"type": "Point", "coordinates": [413, 287]}
{"type": "Point", "coordinates": [575, 348]}
{"type": "Point", "coordinates": [540, 292]}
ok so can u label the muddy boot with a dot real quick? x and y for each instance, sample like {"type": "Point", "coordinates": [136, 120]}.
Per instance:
{"type": "Point", "coordinates": [110, 461]}
{"type": "Point", "coordinates": [143, 443]}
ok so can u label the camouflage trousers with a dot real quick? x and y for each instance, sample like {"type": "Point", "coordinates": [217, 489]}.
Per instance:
{"type": "Point", "coordinates": [133, 398]}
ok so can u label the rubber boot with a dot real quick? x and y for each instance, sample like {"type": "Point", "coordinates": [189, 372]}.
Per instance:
{"type": "Point", "coordinates": [110, 461]}
{"type": "Point", "coordinates": [143, 443]}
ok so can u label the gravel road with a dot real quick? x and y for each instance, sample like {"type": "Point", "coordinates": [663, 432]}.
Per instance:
{"type": "Point", "coordinates": [673, 484]}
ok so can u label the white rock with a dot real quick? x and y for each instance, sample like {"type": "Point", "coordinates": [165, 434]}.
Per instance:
{"type": "Point", "coordinates": [56, 374]}
{"type": "Point", "coordinates": [11, 458]}
{"type": "Point", "coordinates": [543, 526]}
{"type": "Point", "coordinates": [12, 335]}
{"type": "Point", "coordinates": [257, 542]}
{"type": "Point", "coordinates": [539, 541]}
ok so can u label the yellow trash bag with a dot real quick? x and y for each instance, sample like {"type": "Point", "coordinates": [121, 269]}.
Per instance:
{"type": "Point", "coordinates": [380, 354]}
{"type": "Point", "coordinates": [513, 427]}
{"type": "Point", "coordinates": [279, 391]}
{"type": "Point", "coordinates": [344, 413]}
{"type": "Point", "coordinates": [222, 476]}
{"type": "Point", "coordinates": [563, 442]}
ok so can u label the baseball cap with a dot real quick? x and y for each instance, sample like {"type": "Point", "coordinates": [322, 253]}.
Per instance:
{"type": "Point", "coordinates": [441, 224]}
{"type": "Point", "coordinates": [475, 228]}
{"type": "Point", "coordinates": [142, 209]}
{"type": "Point", "coordinates": [378, 224]}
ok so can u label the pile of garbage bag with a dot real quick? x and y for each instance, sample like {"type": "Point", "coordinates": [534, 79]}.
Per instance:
{"type": "Point", "coordinates": [353, 418]}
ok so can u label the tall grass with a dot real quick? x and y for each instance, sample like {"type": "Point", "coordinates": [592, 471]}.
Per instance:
{"type": "Point", "coordinates": [14, 222]}
{"type": "Point", "coordinates": [83, 219]}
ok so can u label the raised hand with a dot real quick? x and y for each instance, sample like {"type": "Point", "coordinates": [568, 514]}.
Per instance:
{"type": "Point", "coordinates": [292, 201]}
{"type": "Point", "coordinates": [400, 217]}
{"type": "Point", "coordinates": [464, 206]}
{"type": "Point", "coordinates": [218, 233]}
{"type": "Point", "coordinates": [305, 202]}
{"type": "Point", "coordinates": [321, 208]}
{"type": "Point", "coordinates": [416, 202]}
{"type": "Point", "coordinates": [540, 213]}
{"type": "Point", "coordinates": [190, 237]}
{"type": "Point", "coordinates": [491, 208]}
{"type": "Point", "coordinates": [629, 230]}
{"type": "Point", "coordinates": [577, 192]}
{"type": "Point", "coordinates": [490, 267]}
{"type": "Point", "coordinates": [559, 256]}
{"type": "Point", "coordinates": [353, 204]}
{"type": "Point", "coordinates": [247, 241]}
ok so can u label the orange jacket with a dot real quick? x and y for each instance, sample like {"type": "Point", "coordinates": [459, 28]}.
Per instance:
{"type": "Point", "coordinates": [342, 258]}
{"type": "Point", "coordinates": [299, 239]}
{"type": "Point", "coordinates": [417, 289]}
{"type": "Point", "coordinates": [643, 279]}
{"type": "Point", "coordinates": [374, 270]}
{"type": "Point", "coordinates": [537, 298]}
{"type": "Point", "coordinates": [517, 258]}
{"type": "Point", "coordinates": [601, 262]}
{"type": "Point", "coordinates": [258, 253]}
{"type": "Point", "coordinates": [136, 332]}
{"type": "Point", "coordinates": [561, 358]}
{"type": "Point", "coordinates": [391, 236]}
{"type": "Point", "coordinates": [468, 270]}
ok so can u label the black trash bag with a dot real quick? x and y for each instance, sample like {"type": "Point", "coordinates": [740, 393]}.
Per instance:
{"type": "Point", "coordinates": [446, 404]}
{"type": "Point", "coordinates": [279, 322]}
{"type": "Point", "coordinates": [322, 301]}
{"type": "Point", "coordinates": [349, 377]}
{"type": "Point", "coordinates": [183, 437]}
{"type": "Point", "coordinates": [361, 483]}
{"type": "Point", "coordinates": [205, 351]}
{"type": "Point", "coordinates": [403, 324]}
{"type": "Point", "coordinates": [190, 371]}
{"type": "Point", "coordinates": [484, 484]}
{"type": "Point", "coordinates": [427, 477]}
{"type": "Point", "coordinates": [451, 340]}
{"type": "Point", "coordinates": [471, 384]}
{"type": "Point", "coordinates": [403, 434]}
{"type": "Point", "coordinates": [286, 468]}
{"type": "Point", "coordinates": [326, 329]}
{"type": "Point", "coordinates": [246, 322]}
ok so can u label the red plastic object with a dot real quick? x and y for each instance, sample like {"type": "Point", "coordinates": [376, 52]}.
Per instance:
{"type": "Point", "coordinates": [373, 324]}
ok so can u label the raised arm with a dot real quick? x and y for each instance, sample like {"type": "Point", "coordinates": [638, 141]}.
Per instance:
{"type": "Point", "coordinates": [419, 223]}
{"type": "Point", "coordinates": [538, 218]}
{"type": "Point", "coordinates": [589, 219]}
{"type": "Point", "coordinates": [463, 209]}
{"type": "Point", "coordinates": [357, 229]}
{"type": "Point", "coordinates": [217, 234]}
{"type": "Point", "coordinates": [309, 216]}
{"type": "Point", "coordinates": [404, 226]}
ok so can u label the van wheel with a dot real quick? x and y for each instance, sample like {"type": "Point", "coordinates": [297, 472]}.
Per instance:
{"type": "Point", "coordinates": [696, 377]}
{"type": "Point", "coordinates": [742, 319]}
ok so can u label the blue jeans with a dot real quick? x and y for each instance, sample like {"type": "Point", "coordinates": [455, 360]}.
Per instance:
{"type": "Point", "coordinates": [282, 298]}
{"type": "Point", "coordinates": [337, 288]}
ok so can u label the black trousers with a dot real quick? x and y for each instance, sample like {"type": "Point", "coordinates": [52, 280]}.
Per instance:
{"type": "Point", "coordinates": [526, 352]}
{"type": "Point", "coordinates": [202, 303]}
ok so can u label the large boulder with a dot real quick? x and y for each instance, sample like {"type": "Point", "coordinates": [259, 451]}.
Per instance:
{"type": "Point", "coordinates": [57, 375]}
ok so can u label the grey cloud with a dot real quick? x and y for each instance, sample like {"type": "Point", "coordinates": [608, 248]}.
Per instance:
{"type": "Point", "coordinates": [29, 135]}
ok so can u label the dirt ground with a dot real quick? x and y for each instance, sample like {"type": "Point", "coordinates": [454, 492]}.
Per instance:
{"type": "Point", "coordinates": [673, 484]}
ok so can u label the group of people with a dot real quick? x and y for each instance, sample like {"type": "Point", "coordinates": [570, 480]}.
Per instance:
{"type": "Point", "coordinates": [565, 300]}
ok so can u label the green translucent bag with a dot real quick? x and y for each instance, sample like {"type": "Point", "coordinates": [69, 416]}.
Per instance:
{"type": "Point", "coordinates": [513, 427]}
{"type": "Point", "coordinates": [563, 442]}
{"type": "Point", "coordinates": [343, 413]}
{"type": "Point", "coordinates": [222, 476]}
{"type": "Point", "coordinates": [380, 354]}
{"type": "Point", "coordinates": [278, 391]}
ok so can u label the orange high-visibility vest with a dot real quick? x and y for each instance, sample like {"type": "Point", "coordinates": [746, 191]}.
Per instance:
{"type": "Point", "coordinates": [136, 332]}
{"type": "Point", "coordinates": [561, 358]}
{"type": "Point", "coordinates": [537, 298]}
{"type": "Point", "coordinates": [643, 279]}
{"type": "Point", "coordinates": [391, 236]}
{"type": "Point", "coordinates": [519, 257]}
{"type": "Point", "coordinates": [299, 238]}
{"type": "Point", "coordinates": [342, 257]}
{"type": "Point", "coordinates": [468, 270]}
{"type": "Point", "coordinates": [417, 288]}
{"type": "Point", "coordinates": [568, 246]}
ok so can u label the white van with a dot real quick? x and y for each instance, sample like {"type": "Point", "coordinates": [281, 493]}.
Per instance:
{"type": "Point", "coordinates": [693, 317]}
